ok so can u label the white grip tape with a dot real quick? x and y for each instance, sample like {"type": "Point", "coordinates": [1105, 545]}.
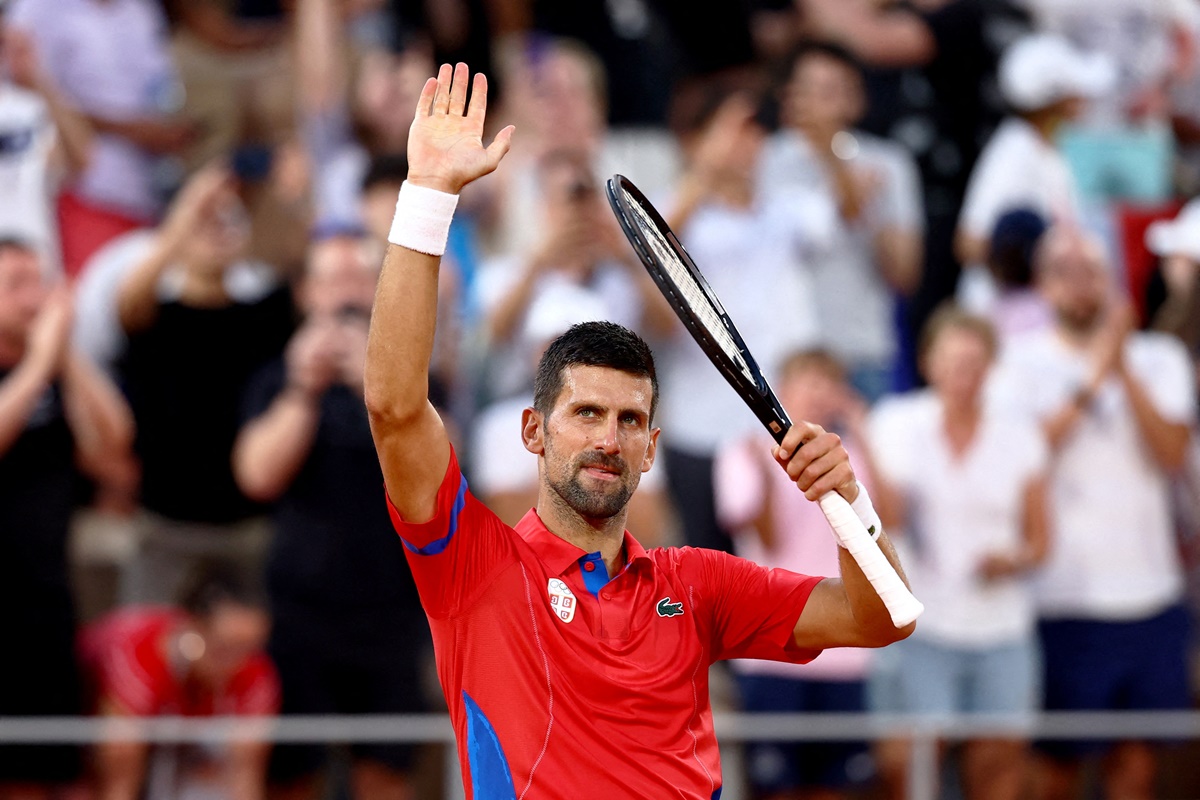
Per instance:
{"type": "Point", "coordinates": [422, 220]}
{"type": "Point", "coordinates": [852, 535]}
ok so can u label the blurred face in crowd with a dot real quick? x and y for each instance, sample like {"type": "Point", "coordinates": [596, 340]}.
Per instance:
{"type": "Point", "coordinates": [22, 290]}
{"type": "Point", "coordinates": [824, 94]}
{"type": "Point", "coordinates": [1073, 277]}
{"type": "Point", "coordinates": [956, 364]}
{"type": "Point", "coordinates": [557, 93]}
{"type": "Point", "coordinates": [597, 440]}
{"type": "Point", "coordinates": [222, 237]}
{"type": "Point", "coordinates": [232, 634]}
{"type": "Point", "coordinates": [340, 277]}
{"type": "Point", "coordinates": [813, 390]}
{"type": "Point", "coordinates": [386, 94]}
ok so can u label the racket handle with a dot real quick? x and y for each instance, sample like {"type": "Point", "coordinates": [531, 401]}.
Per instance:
{"type": "Point", "coordinates": [849, 530]}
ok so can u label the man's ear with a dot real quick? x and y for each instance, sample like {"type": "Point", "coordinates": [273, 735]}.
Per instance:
{"type": "Point", "coordinates": [532, 433]}
{"type": "Point", "coordinates": [652, 450]}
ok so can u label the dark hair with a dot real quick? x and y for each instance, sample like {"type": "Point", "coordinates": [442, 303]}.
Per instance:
{"type": "Point", "coordinates": [592, 344]}
{"type": "Point", "coordinates": [213, 584]}
{"type": "Point", "coordinates": [389, 168]}
{"type": "Point", "coordinates": [1013, 243]}
{"type": "Point", "coordinates": [823, 49]}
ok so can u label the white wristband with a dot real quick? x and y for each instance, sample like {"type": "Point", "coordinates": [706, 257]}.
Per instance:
{"type": "Point", "coordinates": [422, 220]}
{"type": "Point", "coordinates": [866, 513]}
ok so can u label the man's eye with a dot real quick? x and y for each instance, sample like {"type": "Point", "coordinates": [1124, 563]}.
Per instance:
{"type": "Point", "coordinates": [587, 412]}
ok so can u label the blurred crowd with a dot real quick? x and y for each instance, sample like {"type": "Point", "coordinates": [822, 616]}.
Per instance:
{"type": "Point", "coordinates": [958, 232]}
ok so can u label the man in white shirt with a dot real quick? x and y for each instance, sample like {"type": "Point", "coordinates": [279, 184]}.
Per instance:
{"type": "Point", "coordinates": [1117, 408]}
{"type": "Point", "coordinates": [876, 249]}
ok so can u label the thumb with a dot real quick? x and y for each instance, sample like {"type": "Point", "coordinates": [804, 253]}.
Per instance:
{"type": "Point", "coordinates": [499, 146]}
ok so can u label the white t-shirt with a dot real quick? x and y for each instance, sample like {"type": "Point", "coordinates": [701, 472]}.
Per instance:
{"type": "Point", "coordinates": [959, 511]}
{"type": "Point", "coordinates": [26, 140]}
{"type": "Point", "coordinates": [499, 461]}
{"type": "Point", "coordinates": [803, 543]}
{"type": "Point", "coordinates": [109, 59]}
{"type": "Point", "coordinates": [854, 302]}
{"type": "Point", "coordinates": [756, 260]}
{"type": "Point", "coordinates": [1018, 169]}
{"type": "Point", "coordinates": [1114, 555]}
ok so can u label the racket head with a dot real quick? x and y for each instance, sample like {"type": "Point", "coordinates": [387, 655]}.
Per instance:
{"type": "Point", "coordinates": [694, 302]}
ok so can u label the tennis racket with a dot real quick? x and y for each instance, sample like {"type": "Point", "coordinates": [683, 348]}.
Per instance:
{"type": "Point", "coordinates": [701, 312]}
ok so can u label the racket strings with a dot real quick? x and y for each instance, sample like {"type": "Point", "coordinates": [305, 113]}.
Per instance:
{"type": "Point", "coordinates": [689, 288]}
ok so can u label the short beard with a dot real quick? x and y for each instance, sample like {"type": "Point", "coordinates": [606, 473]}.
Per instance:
{"type": "Point", "coordinates": [592, 504]}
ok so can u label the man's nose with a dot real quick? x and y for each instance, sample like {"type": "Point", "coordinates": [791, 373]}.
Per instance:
{"type": "Point", "coordinates": [608, 441]}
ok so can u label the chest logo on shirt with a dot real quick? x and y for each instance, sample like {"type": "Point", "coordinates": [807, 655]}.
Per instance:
{"type": "Point", "coordinates": [666, 608]}
{"type": "Point", "coordinates": [562, 600]}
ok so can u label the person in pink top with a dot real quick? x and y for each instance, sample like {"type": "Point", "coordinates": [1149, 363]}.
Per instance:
{"type": "Point", "coordinates": [776, 527]}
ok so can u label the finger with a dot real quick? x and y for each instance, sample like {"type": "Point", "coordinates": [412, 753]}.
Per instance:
{"type": "Point", "coordinates": [800, 433]}
{"type": "Point", "coordinates": [458, 89]}
{"type": "Point", "coordinates": [839, 474]}
{"type": "Point", "coordinates": [425, 101]}
{"type": "Point", "coordinates": [441, 103]}
{"type": "Point", "coordinates": [478, 108]}
{"type": "Point", "coordinates": [812, 451]}
{"type": "Point", "coordinates": [499, 147]}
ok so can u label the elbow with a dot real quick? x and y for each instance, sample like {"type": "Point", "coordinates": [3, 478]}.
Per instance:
{"type": "Point", "coordinates": [887, 633]}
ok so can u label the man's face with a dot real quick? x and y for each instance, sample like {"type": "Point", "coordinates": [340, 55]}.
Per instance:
{"type": "Point", "coordinates": [813, 394]}
{"type": "Point", "coordinates": [597, 441]}
{"type": "Point", "coordinates": [233, 634]}
{"type": "Point", "coordinates": [340, 275]}
{"type": "Point", "coordinates": [957, 365]}
{"type": "Point", "coordinates": [22, 291]}
{"type": "Point", "coordinates": [1076, 284]}
{"type": "Point", "coordinates": [823, 94]}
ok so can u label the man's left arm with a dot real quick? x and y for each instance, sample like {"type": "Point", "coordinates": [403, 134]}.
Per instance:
{"type": "Point", "coordinates": [1166, 438]}
{"type": "Point", "coordinates": [845, 611]}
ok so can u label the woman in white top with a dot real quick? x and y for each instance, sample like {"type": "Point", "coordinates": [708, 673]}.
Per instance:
{"type": "Point", "coordinates": [968, 488]}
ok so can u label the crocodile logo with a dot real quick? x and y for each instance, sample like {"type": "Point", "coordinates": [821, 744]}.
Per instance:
{"type": "Point", "coordinates": [668, 609]}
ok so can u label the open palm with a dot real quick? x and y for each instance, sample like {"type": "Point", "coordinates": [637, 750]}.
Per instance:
{"type": "Point", "coordinates": [445, 142]}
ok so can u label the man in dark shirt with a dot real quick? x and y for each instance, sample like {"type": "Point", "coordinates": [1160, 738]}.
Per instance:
{"type": "Point", "coordinates": [57, 413]}
{"type": "Point", "coordinates": [349, 633]}
{"type": "Point", "coordinates": [200, 321]}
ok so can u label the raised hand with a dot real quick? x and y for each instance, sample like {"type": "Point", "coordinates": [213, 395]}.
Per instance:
{"type": "Point", "coordinates": [50, 333]}
{"type": "Point", "coordinates": [445, 142]}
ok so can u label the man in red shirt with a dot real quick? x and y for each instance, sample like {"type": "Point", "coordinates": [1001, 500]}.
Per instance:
{"type": "Point", "coordinates": [574, 662]}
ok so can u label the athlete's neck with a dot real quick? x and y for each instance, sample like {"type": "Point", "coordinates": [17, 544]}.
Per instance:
{"type": "Point", "coordinates": [590, 535]}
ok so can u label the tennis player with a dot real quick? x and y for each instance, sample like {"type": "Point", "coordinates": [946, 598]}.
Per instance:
{"type": "Point", "coordinates": [574, 662]}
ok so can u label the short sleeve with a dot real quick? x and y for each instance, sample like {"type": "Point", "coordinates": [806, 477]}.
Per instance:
{"type": "Point", "coordinates": [737, 484]}
{"type": "Point", "coordinates": [455, 555]}
{"type": "Point", "coordinates": [752, 610]}
{"type": "Point", "coordinates": [1166, 373]}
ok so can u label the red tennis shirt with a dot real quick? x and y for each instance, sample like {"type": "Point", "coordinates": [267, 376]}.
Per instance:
{"type": "Point", "coordinates": [562, 682]}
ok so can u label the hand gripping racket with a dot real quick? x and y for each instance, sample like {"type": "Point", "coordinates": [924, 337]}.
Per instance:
{"type": "Point", "coordinates": [702, 314]}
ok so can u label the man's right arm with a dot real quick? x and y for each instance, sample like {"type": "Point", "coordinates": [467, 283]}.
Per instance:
{"type": "Point", "coordinates": [445, 153]}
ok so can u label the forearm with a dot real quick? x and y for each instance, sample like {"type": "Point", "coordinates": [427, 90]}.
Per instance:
{"type": "Point", "coordinates": [1167, 441]}
{"type": "Point", "coordinates": [248, 771]}
{"type": "Point", "coordinates": [20, 392]}
{"type": "Point", "coordinates": [98, 415]}
{"type": "Point", "coordinates": [120, 768]}
{"type": "Point", "coordinates": [320, 61]}
{"type": "Point", "coordinates": [868, 610]}
{"type": "Point", "coordinates": [899, 253]}
{"type": "Point", "coordinates": [506, 316]}
{"type": "Point", "coordinates": [72, 128]}
{"type": "Point", "coordinates": [137, 297]}
{"type": "Point", "coordinates": [272, 449]}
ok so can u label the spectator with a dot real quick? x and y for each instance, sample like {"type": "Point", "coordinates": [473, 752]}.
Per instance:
{"type": "Point", "coordinates": [56, 413]}
{"type": "Point", "coordinates": [41, 138]}
{"type": "Point", "coordinates": [580, 245]}
{"type": "Point", "coordinates": [130, 94]}
{"type": "Point", "coordinates": [1116, 407]}
{"type": "Point", "coordinates": [754, 247]}
{"type": "Point", "coordinates": [1177, 244]}
{"type": "Point", "coordinates": [1019, 307]}
{"type": "Point", "coordinates": [349, 636]}
{"type": "Point", "coordinates": [969, 485]}
{"type": "Point", "coordinates": [202, 658]}
{"type": "Point", "coordinates": [1046, 80]}
{"type": "Point", "coordinates": [876, 248]}
{"type": "Point", "coordinates": [775, 527]}
{"type": "Point", "coordinates": [503, 475]}
{"type": "Point", "coordinates": [200, 321]}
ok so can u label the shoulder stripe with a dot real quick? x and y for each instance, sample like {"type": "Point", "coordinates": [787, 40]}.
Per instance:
{"type": "Point", "coordinates": [438, 545]}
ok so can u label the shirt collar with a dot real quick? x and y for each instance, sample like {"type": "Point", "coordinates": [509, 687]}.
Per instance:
{"type": "Point", "coordinates": [558, 553]}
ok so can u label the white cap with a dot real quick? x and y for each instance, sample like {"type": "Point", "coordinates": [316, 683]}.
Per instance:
{"type": "Point", "coordinates": [1043, 68]}
{"type": "Point", "coordinates": [1179, 236]}
{"type": "Point", "coordinates": [557, 307]}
